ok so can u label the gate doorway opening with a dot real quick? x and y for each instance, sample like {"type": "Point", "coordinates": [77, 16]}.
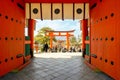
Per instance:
{"type": "Point", "coordinates": [60, 41]}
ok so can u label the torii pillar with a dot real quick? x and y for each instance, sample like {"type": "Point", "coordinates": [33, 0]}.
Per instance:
{"type": "Point", "coordinates": [67, 40]}
{"type": "Point", "coordinates": [51, 39]}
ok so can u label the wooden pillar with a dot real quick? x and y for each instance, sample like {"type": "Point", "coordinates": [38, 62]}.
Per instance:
{"type": "Point", "coordinates": [31, 25]}
{"type": "Point", "coordinates": [51, 39]}
{"type": "Point", "coordinates": [67, 40]}
{"type": "Point", "coordinates": [84, 25]}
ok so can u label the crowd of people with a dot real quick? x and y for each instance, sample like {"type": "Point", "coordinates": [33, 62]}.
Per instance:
{"type": "Point", "coordinates": [46, 48]}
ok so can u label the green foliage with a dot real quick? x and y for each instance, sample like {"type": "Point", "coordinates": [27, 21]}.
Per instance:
{"type": "Point", "coordinates": [79, 38]}
{"type": "Point", "coordinates": [41, 38]}
{"type": "Point", "coordinates": [73, 40]}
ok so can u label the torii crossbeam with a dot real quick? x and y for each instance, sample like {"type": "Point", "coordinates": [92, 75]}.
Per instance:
{"type": "Point", "coordinates": [52, 34]}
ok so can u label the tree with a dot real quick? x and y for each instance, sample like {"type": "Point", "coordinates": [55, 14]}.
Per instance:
{"type": "Point", "coordinates": [73, 40]}
{"type": "Point", "coordinates": [79, 38]}
{"type": "Point", "coordinates": [40, 37]}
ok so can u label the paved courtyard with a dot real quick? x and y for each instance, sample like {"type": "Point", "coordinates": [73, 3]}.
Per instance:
{"type": "Point", "coordinates": [56, 66]}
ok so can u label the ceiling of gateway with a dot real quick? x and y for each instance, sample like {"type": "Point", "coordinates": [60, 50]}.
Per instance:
{"type": "Point", "coordinates": [55, 11]}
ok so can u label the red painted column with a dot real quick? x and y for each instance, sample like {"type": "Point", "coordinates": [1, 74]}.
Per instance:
{"type": "Point", "coordinates": [51, 39]}
{"type": "Point", "coordinates": [67, 40]}
{"type": "Point", "coordinates": [84, 25]}
{"type": "Point", "coordinates": [31, 25]}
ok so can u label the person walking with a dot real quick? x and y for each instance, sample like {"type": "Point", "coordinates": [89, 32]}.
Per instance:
{"type": "Point", "coordinates": [45, 47]}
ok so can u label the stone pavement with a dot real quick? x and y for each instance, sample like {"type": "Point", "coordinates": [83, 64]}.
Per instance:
{"type": "Point", "coordinates": [56, 66]}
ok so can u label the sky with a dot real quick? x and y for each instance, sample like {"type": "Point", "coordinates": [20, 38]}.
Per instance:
{"type": "Point", "coordinates": [59, 25]}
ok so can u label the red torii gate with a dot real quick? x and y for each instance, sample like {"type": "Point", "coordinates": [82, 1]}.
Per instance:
{"type": "Point", "coordinates": [51, 34]}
